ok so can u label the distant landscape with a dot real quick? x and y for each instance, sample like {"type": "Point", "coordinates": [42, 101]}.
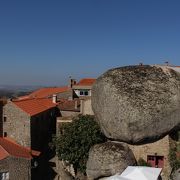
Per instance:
{"type": "Point", "coordinates": [10, 91]}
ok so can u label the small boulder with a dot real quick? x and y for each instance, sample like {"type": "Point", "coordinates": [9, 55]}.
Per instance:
{"type": "Point", "coordinates": [107, 159]}
{"type": "Point", "coordinates": [137, 104]}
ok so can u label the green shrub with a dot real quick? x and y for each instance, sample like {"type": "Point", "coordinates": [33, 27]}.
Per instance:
{"type": "Point", "coordinates": [77, 138]}
{"type": "Point", "coordinates": [174, 161]}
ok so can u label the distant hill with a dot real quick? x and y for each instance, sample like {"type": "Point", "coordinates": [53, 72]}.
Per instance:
{"type": "Point", "coordinates": [10, 91]}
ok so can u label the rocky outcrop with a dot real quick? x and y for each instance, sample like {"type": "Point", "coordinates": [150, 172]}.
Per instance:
{"type": "Point", "coordinates": [137, 104]}
{"type": "Point", "coordinates": [63, 170]}
{"type": "Point", "coordinates": [176, 175]}
{"type": "Point", "coordinates": [107, 159]}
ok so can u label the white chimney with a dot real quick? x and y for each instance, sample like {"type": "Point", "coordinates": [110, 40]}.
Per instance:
{"type": "Point", "coordinates": [54, 98]}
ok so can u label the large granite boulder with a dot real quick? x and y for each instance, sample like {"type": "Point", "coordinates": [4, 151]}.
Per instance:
{"type": "Point", "coordinates": [137, 104]}
{"type": "Point", "coordinates": [107, 159]}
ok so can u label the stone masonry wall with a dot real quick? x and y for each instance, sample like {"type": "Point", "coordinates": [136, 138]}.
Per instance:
{"type": "Point", "coordinates": [17, 125]}
{"type": "Point", "coordinates": [65, 95]}
{"type": "Point", "coordinates": [69, 113]}
{"type": "Point", "coordinates": [160, 147]}
{"type": "Point", "coordinates": [18, 168]}
{"type": "Point", "coordinates": [86, 107]}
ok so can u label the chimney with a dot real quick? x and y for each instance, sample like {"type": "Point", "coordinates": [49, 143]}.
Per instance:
{"type": "Point", "coordinates": [54, 98]}
{"type": "Point", "coordinates": [71, 82]}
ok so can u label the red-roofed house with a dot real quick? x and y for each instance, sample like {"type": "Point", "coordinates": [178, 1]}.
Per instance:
{"type": "Point", "coordinates": [64, 92]}
{"type": "Point", "coordinates": [30, 122]}
{"type": "Point", "coordinates": [15, 160]}
{"type": "Point", "coordinates": [83, 87]}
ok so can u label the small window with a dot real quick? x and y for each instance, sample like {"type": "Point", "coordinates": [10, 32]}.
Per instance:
{"type": "Point", "coordinates": [5, 134]}
{"type": "Point", "coordinates": [5, 118]}
{"type": "Point", "coordinates": [4, 175]}
{"type": "Point", "coordinates": [81, 93]}
{"type": "Point", "coordinates": [86, 93]}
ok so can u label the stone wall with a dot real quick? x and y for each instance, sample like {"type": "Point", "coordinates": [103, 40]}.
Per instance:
{"type": "Point", "coordinates": [65, 95]}
{"type": "Point", "coordinates": [17, 125]}
{"type": "Point", "coordinates": [86, 107]}
{"type": "Point", "coordinates": [69, 113]}
{"type": "Point", "coordinates": [18, 168]}
{"type": "Point", "coordinates": [161, 148]}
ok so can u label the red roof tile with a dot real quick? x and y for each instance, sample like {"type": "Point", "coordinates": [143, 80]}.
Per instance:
{"type": "Point", "coordinates": [86, 82]}
{"type": "Point", "coordinates": [46, 92]}
{"type": "Point", "coordinates": [3, 153]}
{"type": "Point", "coordinates": [69, 105]}
{"type": "Point", "coordinates": [34, 106]}
{"type": "Point", "coordinates": [9, 147]}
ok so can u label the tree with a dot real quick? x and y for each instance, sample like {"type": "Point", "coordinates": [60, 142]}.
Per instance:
{"type": "Point", "coordinates": [77, 138]}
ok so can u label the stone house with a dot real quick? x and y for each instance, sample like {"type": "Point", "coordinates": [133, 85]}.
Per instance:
{"type": "Point", "coordinates": [156, 154]}
{"type": "Point", "coordinates": [16, 161]}
{"type": "Point", "coordinates": [83, 91]}
{"type": "Point", "coordinates": [30, 122]}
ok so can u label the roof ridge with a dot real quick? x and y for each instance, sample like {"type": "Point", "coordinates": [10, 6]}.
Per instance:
{"type": "Point", "coordinates": [30, 98]}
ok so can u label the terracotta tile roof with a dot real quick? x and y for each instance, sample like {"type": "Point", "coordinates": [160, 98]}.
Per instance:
{"type": "Point", "coordinates": [9, 147]}
{"type": "Point", "coordinates": [34, 106]}
{"type": "Point", "coordinates": [46, 92]}
{"type": "Point", "coordinates": [3, 153]}
{"type": "Point", "coordinates": [86, 82]}
{"type": "Point", "coordinates": [69, 105]}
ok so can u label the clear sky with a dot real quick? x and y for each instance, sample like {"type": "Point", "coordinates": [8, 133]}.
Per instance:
{"type": "Point", "coordinates": [43, 42]}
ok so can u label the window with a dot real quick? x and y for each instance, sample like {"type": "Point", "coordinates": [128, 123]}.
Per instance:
{"type": "Point", "coordinates": [5, 134]}
{"type": "Point", "coordinates": [155, 161]}
{"type": "Point", "coordinates": [84, 93]}
{"type": "Point", "coordinates": [5, 118]}
{"type": "Point", "coordinates": [4, 176]}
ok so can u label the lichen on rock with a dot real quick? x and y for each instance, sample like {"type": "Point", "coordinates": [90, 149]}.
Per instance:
{"type": "Point", "coordinates": [137, 104]}
{"type": "Point", "coordinates": [108, 158]}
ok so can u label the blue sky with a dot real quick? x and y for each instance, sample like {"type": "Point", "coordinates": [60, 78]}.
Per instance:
{"type": "Point", "coordinates": [43, 42]}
